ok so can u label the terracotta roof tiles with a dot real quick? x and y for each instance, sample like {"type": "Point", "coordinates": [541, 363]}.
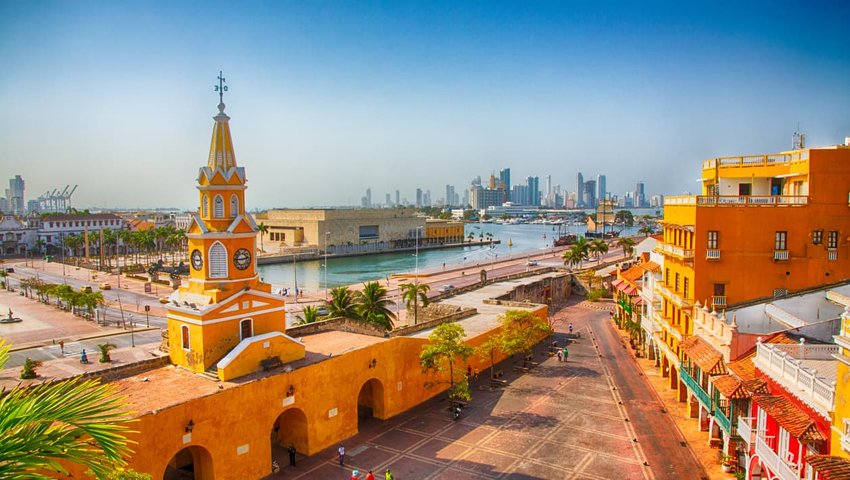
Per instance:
{"type": "Point", "coordinates": [703, 355]}
{"type": "Point", "coordinates": [791, 418]}
{"type": "Point", "coordinates": [830, 467]}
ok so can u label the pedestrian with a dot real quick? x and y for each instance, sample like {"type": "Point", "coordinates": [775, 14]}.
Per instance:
{"type": "Point", "coordinates": [560, 356]}
{"type": "Point", "coordinates": [370, 475]}
{"type": "Point", "coordinates": [468, 372]}
{"type": "Point", "coordinates": [291, 451]}
{"type": "Point", "coordinates": [388, 475]}
{"type": "Point", "coordinates": [571, 329]}
{"type": "Point", "coordinates": [83, 357]}
{"type": "Point", "coordinates": [355, 474]}
{"type": "Point", "coordinates": [566, 354]}
{"type": "Point", "coordinates": [62, 346]}
{"type": "Point", "coordinates": [341, 451]}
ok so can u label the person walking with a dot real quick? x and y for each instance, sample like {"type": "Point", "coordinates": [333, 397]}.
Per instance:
{"type": "Point", "coordinates": [571, 329]}
{"type": "Point", "coordinates": [355, 475]}
{"type": "Point", "coordinates": [341, 451]}
{"type": "Point", "coordinates": [566, 354]}
{"type": "Point", "coordinates": [291, 451]}
{"type": "Point", "coordinates": [560, 355]}
{"type": "Point", "coordinates": [370, 475]}
{"type": "Point", "coordinates": [388, 475]}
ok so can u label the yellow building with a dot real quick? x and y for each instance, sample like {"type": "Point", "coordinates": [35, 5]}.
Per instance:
{"type": "Point", "coordinates": [763, 226]}
{"type": "Point", "coordinates": [840, 442]}
{"type": "Point", "coordinates": [225, 318]}
{"type": "Point", "coordinates": [443, 231]}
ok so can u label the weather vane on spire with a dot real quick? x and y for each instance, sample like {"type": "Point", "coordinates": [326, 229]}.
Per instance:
{"type": "Point", "coordinates": [221, 87]}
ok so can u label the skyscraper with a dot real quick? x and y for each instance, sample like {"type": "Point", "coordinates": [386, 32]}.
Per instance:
{"type": "Point", "coordinates": [601, 193]}
{"type": "Point", "coordinates": [579, 190]}
{"type": "Point", "coordinates": [450, 195]}
{"type": "Point", "coordinates": [548, 185]}
{"type": "Point", "coordinates": [533, 190]}
{"type": "Point", "coordinates": [418, 197]}
{"type": "Point", "coordinates": [389, 202]}
{"type": "Point", "coordinates": [589, 194]}
{"type": "Point", "coordinates": [15, 196]}
{"type": "Point", "coordinates": [397, 198]}
{"type": "Point", "coordinates": [640, 195]}
{"type": "Point", "coordinates": [505, 179]}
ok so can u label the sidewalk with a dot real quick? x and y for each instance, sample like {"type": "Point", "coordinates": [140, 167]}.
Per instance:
{"type": "Point", "coordinates": [689, 427]}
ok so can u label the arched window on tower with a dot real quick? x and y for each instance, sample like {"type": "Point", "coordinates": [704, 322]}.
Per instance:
{"type": "Point", "coordinates": [218, 261]}
{"type": "Point", "coordinates": [205, 206]}
{"type": "Point", "coordinates": [184, 333]}
{"type": "Point", "coordinates": [246, 329]}
{"type": "Point", "coordinates": [218, 207]}
{"type": "Point", "coordinates": [234, 205]}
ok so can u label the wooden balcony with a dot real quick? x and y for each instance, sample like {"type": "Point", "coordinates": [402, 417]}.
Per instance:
{"type": "Point", "coordinates": [712, 254]}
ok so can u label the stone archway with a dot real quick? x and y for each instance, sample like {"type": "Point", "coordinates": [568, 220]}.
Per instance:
{"type": "Point", "coordinates": [290, 428]}
{"type": "Point", "coordinates": [191, 463]}
{"type": "Point", "coordinates": [674, 377]}
{"type": "Point", "coordinates": [370, 400]}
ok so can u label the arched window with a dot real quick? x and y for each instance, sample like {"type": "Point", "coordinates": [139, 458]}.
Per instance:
{"type": "Point", "coordinates": [218, 261]}
{"type": "Point", "coordinates": [184, 331]}
{"type": "Point", "coordinates": [218, 207]}
{"type": "Point", "coordinates": [246, 329]}
{"type": "Point", "coordinates": [234, 205]}
{"type": "Point", "coordinates": [205, 206]}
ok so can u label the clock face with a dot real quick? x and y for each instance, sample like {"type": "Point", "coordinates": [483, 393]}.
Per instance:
{"type": "Point", "coordinates": [197, 260]}
{"type": "Point", "coordinates": [242, 259]}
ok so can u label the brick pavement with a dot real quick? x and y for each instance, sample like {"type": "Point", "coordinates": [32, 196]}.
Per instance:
{"type": "Point", "coordinates": [560, 421]}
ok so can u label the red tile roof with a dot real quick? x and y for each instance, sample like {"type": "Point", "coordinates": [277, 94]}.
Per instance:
{"type": "Point", "coordinates": [830, 467]}
{"type": "Point", "coordinates": [651, 267]}
{"type": "Point", "coordinates": [703, 355]}
{"type": "Point", "coordinates": [743, 367]}
{"type": "Point", "coordinates": [632, 275]}
{"type": "Point", "coordinates": [791, 418]}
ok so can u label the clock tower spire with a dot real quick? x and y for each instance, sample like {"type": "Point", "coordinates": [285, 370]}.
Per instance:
{"type": "Point", "coordinates": [224, 301]}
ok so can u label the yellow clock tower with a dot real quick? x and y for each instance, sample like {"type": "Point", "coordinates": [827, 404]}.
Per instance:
{"type": "Point", "coordinates": [225, 309]}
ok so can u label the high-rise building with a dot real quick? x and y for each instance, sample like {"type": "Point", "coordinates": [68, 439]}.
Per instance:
{"type": "Point", "coordinates": [15, 196]}
{"type": "Point", "coordinates": [640, 195]}
{"type": "Point", "coordinates": [533, 184]}
{"type": "Point", "coordinates": [579, 190]}
{"type": "Point", "coordinates": [418, 197]}
{"type": "Point", "coordinates": [505, 179]}
{"type": "Point", "coordinates": [589, 194]}
{"type": "Point", "coordinates": [426, 198]}
{"type": "Point", "coordinates": [481, 198]}
{"type": "Point", "coordinates": [519, 194]}
{"type": "Point", "coordinates": [465, 201]}
{"type": "Point", "coordinates": [397, 198]}
{"type": "Point", "coordinates": [548, 185]}
{"type": "Point", "coordinates": [601, 193]}
{"type": "Point", "coordinates": [389, 201]}
{"type": "Point", "coordinates": [450, 195]}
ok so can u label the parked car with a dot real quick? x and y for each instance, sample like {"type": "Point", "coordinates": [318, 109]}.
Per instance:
{"type": "Point", "coordinates": [323, 311]}
{"type": "Point", "coordinates": [105, 286]}
{"type": "Point", "coordinates": [531, 263]}
{"type": "Point", "coordinates": [164, 300]}
{"type": "Point", "coordinates": [86, 289]}
{"type": "Point", "coordinates": [447, 288]}
{"type": "Point", "coordinates": [10, 270]}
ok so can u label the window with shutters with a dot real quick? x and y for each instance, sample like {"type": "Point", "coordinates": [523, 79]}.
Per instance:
{"type": "Point", "coordinates": [817, 237]}
{"type": "Point", "coordinates": [712, 239]}
{"type": "Point", "coordinates": [781, 241]}
{"type": "Point", "coordinates": [832, 239]}
{"type": "Point", "coordinates": [205, 207]}
{"type": "Point", "coordinates": [234, 205]}
{"type": "Point", "coordinates": [218, 207]}
{"type": "Point", "coordinates": [218, 261]}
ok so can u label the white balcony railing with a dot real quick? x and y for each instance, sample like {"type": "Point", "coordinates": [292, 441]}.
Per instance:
{"type": "Point", "coordinates": [771, 459]}
{"type": "Point", "coordinates": [666, 248]}
{"type": "Point", "coordinates": [832, 255]}
{"type": "Point", "coordinates": [737, 200]}
{"type": "Point", "coordinates": [718, 301]}
{"type": "Point", "coordinates": [667, 326]}
{"type": "Point", "coordinates": [777, 362]}
{"type": "Point", "coordinates": [751, 161]}
{"type": "Point", "coordinates": [746, 431]}
{"type": "Point", "coordinates": [780, 254]}
{"type": "Point", "coordinates": [675, 297]}
{"type": "Point", "coordinates": [712, 254]}
{"type": "Point", "coordinates": [845, 436]}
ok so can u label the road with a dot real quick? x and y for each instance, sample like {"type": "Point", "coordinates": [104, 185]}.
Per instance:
{"type": "Point", "coordinates": [73, 349]}
{"type": "Point", "coordinates": [664, 446]}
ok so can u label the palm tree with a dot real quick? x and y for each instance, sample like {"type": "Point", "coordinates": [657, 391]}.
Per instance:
{"type": "Point", "coordinates": [415, 293]}
{"type": "Point", "coordinates": [583, 246]}
{"type": "Point", "coordinates": [646, 230]}
{"type": "Point", "coordinates": [263, 229]}
{"type": "Point", "coordinates": [574, 255]}
{"type": "Point", "coordinates": [598, 248]}
{"type": "Point", "coordinates": [341, 303]}
{"type": "Point", "coordinates": [628, 246]}
{"type": "Point", "coordinates": [373, 305]}
{"type": "Point", "coordinates": [76, 421]}
{"type": "Point", "coordinates": [309, 315]}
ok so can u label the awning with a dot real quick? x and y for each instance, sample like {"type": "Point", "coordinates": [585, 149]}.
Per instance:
{"type": "Point", "coordinates": [638, 301]}
{"type": "Point", "coordinates": [791, 418]}
{"type": "Point", "coordinates": [703, 355]}
{"type": "Point", "coordinates": [616, 283]}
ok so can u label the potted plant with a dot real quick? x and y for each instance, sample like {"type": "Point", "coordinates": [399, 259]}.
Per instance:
{"type": "Point", "coordinates": [104, 351]}
{"type": "Point", "coordinates": [28, 372]}
{"type": "Point", "coordinates": [726, 462]}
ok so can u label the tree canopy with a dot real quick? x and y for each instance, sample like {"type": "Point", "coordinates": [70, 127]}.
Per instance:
{"type": "Point", "coordinates": [446, 347]}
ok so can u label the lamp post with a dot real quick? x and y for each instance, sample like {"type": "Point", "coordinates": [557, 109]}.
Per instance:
{"type": "Point", "coordinates": [327, 235]}
{"type": "Point", "coordinates": [62, 238]}
{"type": "Point", "coordinates": [416, 271]}
{"type": "Point", "coordinates": [132, 337]}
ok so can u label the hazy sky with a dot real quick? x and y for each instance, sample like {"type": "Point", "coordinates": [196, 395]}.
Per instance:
{"type": "Point", "coordinates": [329, 98]}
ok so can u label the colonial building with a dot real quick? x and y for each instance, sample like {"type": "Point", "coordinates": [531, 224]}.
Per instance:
{"type": "Point", "coordinates": [16, 236]}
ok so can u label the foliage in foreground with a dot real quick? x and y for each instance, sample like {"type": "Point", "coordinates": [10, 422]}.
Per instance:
{"type": "Point", "coordinates": [446, 347]}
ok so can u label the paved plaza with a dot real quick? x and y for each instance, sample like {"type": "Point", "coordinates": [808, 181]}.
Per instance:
{"type": "Point", "coordinates": [560, 421]}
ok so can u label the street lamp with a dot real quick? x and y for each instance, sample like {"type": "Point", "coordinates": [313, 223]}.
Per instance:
{"type": "Point", "coordinates": [327, 235]}
{"type": "Point", "coordinates": [132, 337]}
{"type": "Point", "coordinates": [418, 229]}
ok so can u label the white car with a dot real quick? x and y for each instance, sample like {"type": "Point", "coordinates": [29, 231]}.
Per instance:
{"type": "Point", "coordinates": [447, 288]}
{"type": "Point", "coordinates": [531, 263]}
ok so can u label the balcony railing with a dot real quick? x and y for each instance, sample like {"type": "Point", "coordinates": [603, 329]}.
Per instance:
{"type": "Point", "coordinates": [845, 436]}
{"type": "Point", "coordinates": [737, 200]}
{"type": "Point", "coordinates": [778, 363]}
{"type": "Point", "coordinates": [712, 254]}
{"type": "Point", "coordinates": [665, 323]}
{"type": "Point", "coordinates": [723, 420]}
{"type": "Point", "coordinates": [718, 301]}
{"type": "Point", "coordinates": [683, 253]}
{"type": "Point", "coordinates": [776, 465]}
{"type": "Point", "coordinates": [673, 296]}
{"type": "Point", "coordinates": [832, 255]}
{"type": "Point", "coordinates": [780, 254]}
{"type": "Point", "coordinates": [750, 161]}
{"type": "Point", "coordinates": [696, 388]}
{"type": "Point", "coordinates": [746, 430]}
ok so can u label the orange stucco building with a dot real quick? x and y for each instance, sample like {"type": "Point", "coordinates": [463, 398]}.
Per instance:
{"type": "Point", "coordinates": [762, 226]}
{"type": "Point", "coordinates": [239, 386]}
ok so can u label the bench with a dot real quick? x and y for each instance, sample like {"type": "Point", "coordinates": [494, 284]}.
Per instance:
{"type": "Point", "coordinates": [270, 363]}
{"type": "Point", "coordinates": [495, 383]}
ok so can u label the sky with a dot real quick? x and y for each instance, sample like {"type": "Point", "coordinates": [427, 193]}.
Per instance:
{"type": "Point", "coordinates": [327, 98]}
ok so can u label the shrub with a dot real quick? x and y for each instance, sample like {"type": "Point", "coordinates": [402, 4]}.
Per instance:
{"type": "Point", "coordinates": [596, 294]}
{"type": "Point", "coordinates": [28, 372]}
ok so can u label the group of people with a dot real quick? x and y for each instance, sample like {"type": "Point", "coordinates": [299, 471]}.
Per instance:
{"type": "Point", "coordinates": [355, 474]}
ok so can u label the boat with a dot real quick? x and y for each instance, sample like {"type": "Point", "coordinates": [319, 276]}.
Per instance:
{"type": "Point", "coordinates": [564, 237]}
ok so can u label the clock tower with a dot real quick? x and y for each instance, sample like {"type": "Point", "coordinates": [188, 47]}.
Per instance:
{"type": "Point", "coordinates": [224, 302]}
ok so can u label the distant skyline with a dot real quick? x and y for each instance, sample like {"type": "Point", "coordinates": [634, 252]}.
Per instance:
{"type": "Point", "coordinates": [328, 99]}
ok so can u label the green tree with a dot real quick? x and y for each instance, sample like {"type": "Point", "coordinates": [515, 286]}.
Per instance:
{"type": "Point", "coordinates": [263, 229]}
{"type": "Point", "coordinates": [446, 347]}
{"type": "Point", "coordinates": [598, 248]}
{"type": "Point", "coordinates": [521, 330]}
{"type": "Point", "coordinates": [105, 348]}
{"type": "Point", "coordinates": [646, 230]}
{"type": "Point", "coordinates": [373, 305]}
{"type": "Point", "coordinates": [341, 303]}
{"type": "Point", "coordinates": [624, 217]}
{"type": "Point", "coordinates": [628, 246]}
{"type": "Point", "coordinates": [415, 293]}
{"type": "Point", "coordinates": [573, 256]}
{"type": "Point", "coordinates": [79, 421]}
{"type": "Point", "coordinates": [309, 315]}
